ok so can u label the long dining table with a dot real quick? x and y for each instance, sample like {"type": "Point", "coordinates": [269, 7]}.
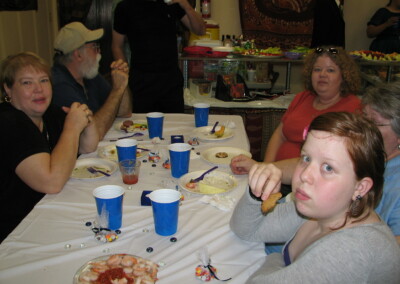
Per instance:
{"type": "Point", "coordinates": [54, 240]}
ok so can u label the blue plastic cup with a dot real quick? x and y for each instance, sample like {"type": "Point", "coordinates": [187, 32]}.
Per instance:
{"type": "Point", "coordinates": [126, 149]}
{"type": "Point", "coordinates": [179, 154]}
{"type": "Point", "coordinates": [177, 139]}
{"type": "Point", "coordinates": [201, 114]}
{"type": "Point", "coordinates": [155, 121]}
{"type": "Point", "coordinates": [109, 200]}
{"type": "Point", "coordinates": [165, 204]}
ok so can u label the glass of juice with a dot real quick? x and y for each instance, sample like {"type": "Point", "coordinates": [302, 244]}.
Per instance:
{"type": "Point", "coordinates": [130, 171]}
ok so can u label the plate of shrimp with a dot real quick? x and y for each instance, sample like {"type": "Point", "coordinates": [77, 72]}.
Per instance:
{"type": "Point", "coordinates": [117, 268]}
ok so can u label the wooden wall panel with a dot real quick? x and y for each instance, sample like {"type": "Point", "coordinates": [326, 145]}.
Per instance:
{"type": "Point", "coordinates": [29, 30]}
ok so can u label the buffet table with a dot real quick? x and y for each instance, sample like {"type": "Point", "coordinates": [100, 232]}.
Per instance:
{"type": "Point", "coordinates": [54, 241]}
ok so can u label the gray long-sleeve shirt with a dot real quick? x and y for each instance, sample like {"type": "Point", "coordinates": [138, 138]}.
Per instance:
{"type": "Point", "coordinates": [361, 254]}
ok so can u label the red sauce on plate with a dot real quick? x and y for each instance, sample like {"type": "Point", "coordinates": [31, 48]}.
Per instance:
{"type": "Point", "coordinates": [111, 274]}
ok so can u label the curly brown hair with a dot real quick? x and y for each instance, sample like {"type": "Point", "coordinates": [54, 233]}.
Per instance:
{"type": "Point", "coordinates": [351, 82]}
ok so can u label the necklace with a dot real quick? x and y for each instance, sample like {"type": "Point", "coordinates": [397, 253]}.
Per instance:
{"type": "Point", "coordinates": [46, 134]}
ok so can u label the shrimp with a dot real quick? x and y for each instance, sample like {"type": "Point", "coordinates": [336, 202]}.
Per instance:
{"type": "Point", "coordinates": [88, 276]}
{"type": "Point", "coordinates": [114, 260]}
{"type": "Point", "coordinates": [99, 267]}
{"type": "Point", "coordinates": [128, 260]}
{"type": "Point", "coordinates": [119, 281]}
{"type": "Point", "coordinates": [128, 271]}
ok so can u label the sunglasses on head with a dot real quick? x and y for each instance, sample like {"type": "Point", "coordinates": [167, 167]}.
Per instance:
{"type": "Point", "coordinates": [331, 50]}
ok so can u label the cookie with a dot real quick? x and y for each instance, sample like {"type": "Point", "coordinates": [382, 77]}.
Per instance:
{"type": "Point", "coordinates": [221, 155]}
{"type": "Point", "coordinates": [270, 203]}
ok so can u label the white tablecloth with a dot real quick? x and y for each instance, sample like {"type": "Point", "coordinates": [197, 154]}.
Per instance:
{"type": "Point", "coordinates": [52, 242]}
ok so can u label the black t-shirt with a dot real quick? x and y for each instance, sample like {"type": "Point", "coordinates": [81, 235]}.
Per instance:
{"type": "Point", "coordinates": [151, 30]}
{"type": "Point", "coordinates": [388, 40]}
{"type": "Point", "coordinates": [328, 25]}
{"type": "Point", "coordinates": [20, 139]}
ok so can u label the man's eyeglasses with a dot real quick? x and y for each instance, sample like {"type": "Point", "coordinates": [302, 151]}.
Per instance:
{"type": "Point", "coordinates": [94, 45]}
{"type": "Point", "coordinates": [331, 50]}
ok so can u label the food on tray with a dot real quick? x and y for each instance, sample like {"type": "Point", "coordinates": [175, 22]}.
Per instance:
{"type": "Point", "coordinates": [191, 185]}
{"type": "Point", "coordinates": [220, 131]}
{"type": "Point", "coordinates": [375, 55]}
{"type": "Point", "coordinates": [209, 189]}
{"type": "Point", "coordinates": [130, 126]}
{"type": "Point", "coordinates": [110, 152]}
{"type": "Point", "coordinates": [270, 203]}
{"type": "Point", "coordinates": [300, 49]}
{"type": "Point", "coordinates": [83, 172]}
{"type": "Point", "coordinates": [211, 184]}
{"type": "Point", "coordinates": [270, 51]}
{"type": "Point", "coordinates": [127, 123]}
{"type": "Point", "coordinates": [119, 268]}
{"type": "Point", "coordinates": [221, 155]}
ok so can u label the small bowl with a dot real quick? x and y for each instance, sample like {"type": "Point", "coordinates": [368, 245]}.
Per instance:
{"type": "Point", "coordinates": [292, 55]}
{"type": "Point", "coordinates": [355, 56]}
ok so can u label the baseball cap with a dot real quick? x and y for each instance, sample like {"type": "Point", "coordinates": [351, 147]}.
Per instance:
{"type": "Point", "coordinates": [73, 36]}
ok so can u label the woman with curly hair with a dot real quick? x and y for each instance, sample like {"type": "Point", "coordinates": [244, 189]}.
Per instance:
{"type": "Point", "coordinates": [332, 80]}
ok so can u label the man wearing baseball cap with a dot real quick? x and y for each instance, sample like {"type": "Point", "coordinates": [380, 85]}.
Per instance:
{"type": "Point", "coordinates": [76, 77]}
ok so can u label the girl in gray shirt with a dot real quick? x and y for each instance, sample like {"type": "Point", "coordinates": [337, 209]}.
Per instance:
{"type": "Point", "coordinates": [331, 231]}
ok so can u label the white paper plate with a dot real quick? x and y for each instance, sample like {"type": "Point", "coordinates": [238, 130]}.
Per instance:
{"type": "Point", "coordinates": [101, 261]}
{"type": "Point", "coordinates": [220, 180]}
{"type": "Point", "coordinates": [110, 152]}
{"type": "Point", "coordinates": [210, 155]}
{"type": "Point", "coordinates": [203, 133]}
{"type": "Point", "coordinates": [80, 170]}
{"type": "Point", "coordinates": [134, 128]}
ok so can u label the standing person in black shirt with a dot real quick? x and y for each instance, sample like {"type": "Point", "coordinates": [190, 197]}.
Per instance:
{"type": "Point", "coordinates": [384, 26]}
{"type": "Point", "coordinates": [150, 27]}
{"type": "Point", "coordinates": [329, 25]}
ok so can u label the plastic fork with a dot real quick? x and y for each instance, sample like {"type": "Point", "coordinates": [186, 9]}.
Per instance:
{"type": "Point", "coordinates": [93, 171]}
{"type": "Point", "coordinates": [124, 137]}
{"type": "Point", "coordinates": [213, 129]}
{"type": "Point", "coordinates": [203, 175]}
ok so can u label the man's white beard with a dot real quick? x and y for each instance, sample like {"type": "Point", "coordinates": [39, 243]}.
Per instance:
{"type": "Point", "coordinates": [91, 69]}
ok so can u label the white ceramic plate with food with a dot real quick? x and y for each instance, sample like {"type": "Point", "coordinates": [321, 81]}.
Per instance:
{"type": "Point", "coordinates": [223, 155]}
{"type": "Point", "coordinates": [131, 126]}
{"type": "Point", "coordinates": [110, 152]}
{"type": "Point", "coordinates": [117, 264]}
{"type": "Point", "coordinates": [203, 133]}
{"type": "Point", "coordinates": [80, 170]}
{"type": "Point", "coordinates": [214, 182]}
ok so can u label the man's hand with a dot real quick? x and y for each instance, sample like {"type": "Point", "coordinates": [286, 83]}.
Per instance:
{"type": "Point", "coordinates": [119, 74]}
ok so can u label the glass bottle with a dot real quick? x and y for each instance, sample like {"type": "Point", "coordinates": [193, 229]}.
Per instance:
{"type": "Point", "coordinates": [206, 9]}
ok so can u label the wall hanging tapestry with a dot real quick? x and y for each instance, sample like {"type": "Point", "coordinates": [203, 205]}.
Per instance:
{"type": "Point", "coordinates": [283, 23]}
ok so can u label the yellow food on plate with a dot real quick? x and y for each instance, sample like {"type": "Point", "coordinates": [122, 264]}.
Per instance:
{"type": "Point", "coordinates": [209, 189]}
{"type": "Point", "coordinates": [221, 155]}
{"type": "Point", "coordinates": [220, 131]}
